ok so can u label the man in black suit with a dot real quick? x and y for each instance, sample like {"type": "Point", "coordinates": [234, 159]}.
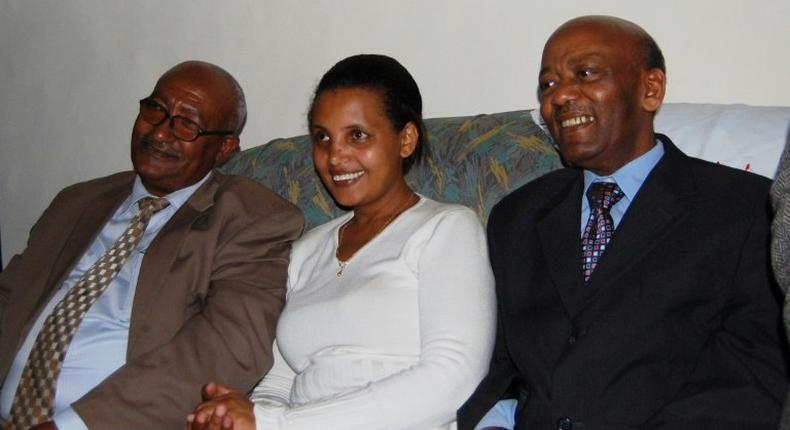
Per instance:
{"type": "Point", "coordinates": [664, 314]}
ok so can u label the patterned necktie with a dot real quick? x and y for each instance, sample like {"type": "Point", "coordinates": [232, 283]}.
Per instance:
{"type": "Point", "coordinates": [600, 227]}
{"type": "Point", "coordinates": [34, 400]}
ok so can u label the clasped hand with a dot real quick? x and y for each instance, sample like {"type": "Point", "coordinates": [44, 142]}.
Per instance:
{"type": "Point", "coordinates": [222, 409]}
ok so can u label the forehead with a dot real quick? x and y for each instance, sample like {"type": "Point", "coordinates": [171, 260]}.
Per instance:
{"type": "Point", "coordinates": [361, 102]}
{"type": "Point", "coordinates": [195, 91]}
{"type": "Point", "coordinates": [577, 42]}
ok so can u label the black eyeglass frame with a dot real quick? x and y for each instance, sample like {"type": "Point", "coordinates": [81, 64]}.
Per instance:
{"type": "Point", "coordinates": [200, 131]}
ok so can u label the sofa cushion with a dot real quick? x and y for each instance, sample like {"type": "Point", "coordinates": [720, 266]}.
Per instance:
{"type": "Point", "coordinates": [473, 161]}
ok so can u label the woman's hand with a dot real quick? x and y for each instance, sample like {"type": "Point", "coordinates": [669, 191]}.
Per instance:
{"type": "Point", "coordinates": [222, 409]}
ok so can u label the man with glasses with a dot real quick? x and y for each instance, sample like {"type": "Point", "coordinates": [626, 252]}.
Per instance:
{"type": "Point", "coordinates": [138, 287]}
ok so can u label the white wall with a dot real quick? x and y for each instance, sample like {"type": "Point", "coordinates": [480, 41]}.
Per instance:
{"type": "Point", "coordinates": [71, 71]}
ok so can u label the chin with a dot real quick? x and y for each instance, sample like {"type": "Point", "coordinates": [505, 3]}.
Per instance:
{"type": "Point", "coordinates": [576, 159]}
{"type": "Point", "coordinates": [152, 173]}
{"type": "Point", "coordinates": [347, 198]}
{"type": "Point", "coordinates": [343, 200]}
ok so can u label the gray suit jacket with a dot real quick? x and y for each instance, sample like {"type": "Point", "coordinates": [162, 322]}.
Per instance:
{"type": "Point", "coordinates": [780, 244]}
{"type": "Point", "coordinates": [210, 290]}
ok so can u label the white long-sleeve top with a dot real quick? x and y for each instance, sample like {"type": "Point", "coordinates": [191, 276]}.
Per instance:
{"type": "Point", "coordinates": [399, 341]}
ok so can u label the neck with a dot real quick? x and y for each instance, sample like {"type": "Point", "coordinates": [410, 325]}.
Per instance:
{"type": "Point", "coordinates": [401, 198]}
{"type": "Point", "coordinates": [367, 224]}
{"type": "Point", "coordinates": [642, 144]}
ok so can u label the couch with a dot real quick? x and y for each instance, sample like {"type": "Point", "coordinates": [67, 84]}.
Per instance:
{"type": "Point", "coordinates": [477, 160]}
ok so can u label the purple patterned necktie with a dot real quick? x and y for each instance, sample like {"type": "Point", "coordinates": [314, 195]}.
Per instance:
{"type": "Point", "coordinates": [35, 396]}
{"type": "Point", "coordinates": [600, 227]}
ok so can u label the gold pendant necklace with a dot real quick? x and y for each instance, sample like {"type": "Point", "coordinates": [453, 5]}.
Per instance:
{"type": "Point", "coordinates": [341, 265]}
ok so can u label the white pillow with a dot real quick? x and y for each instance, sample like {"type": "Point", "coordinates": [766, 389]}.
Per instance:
{"type": "Point", "coordinates": [736, 135]}
{"type": "Point", "coordinates": [740, 136]}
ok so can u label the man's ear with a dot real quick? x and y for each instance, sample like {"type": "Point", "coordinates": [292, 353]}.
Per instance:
{"type": "Point", "coordinates": [227, 147]}
{"type": "Point", "coordinates": [409, 136]}
{"type": "Point", "coordinates": [655, 85]}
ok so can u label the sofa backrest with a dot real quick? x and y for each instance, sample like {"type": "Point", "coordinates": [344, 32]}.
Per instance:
{"type": "Point", "coordinates": [477, 160]}
{"type": "Point", "coordinates": [473, 161]}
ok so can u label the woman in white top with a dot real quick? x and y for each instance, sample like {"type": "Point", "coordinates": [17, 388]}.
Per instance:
{"type": "Point", "coordinates": [390, 310]}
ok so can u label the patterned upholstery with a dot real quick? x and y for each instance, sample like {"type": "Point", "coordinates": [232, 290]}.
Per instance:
{"type": "Point", "coordinates": [474, 161]}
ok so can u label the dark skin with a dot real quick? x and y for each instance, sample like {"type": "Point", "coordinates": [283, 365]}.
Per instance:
{"type": "Point", "coordinates": [358, 154]}
{"type": "Point", "coordinates": [197, 91]}
{"type": "Point", "coordinates": [597, 96]}
{"type": "Point", "coordinates": [200, 92]}
{"type": "Point", "coordinates": [353, 135]}
{"type": "Point", "coordinates": [223, 409]}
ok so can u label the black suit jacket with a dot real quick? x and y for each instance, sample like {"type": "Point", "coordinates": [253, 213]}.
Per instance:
{"type": "Point", "coordinates": [679, 326]}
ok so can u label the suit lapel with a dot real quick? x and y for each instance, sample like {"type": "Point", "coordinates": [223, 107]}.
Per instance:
{"type": "Point", "coordinates": [84, 231]}
{"type": "Point", "coordinates": [164, 249]}
{"type": "Point", "coordinates": [661, 202]}
{"type": "Point", "coordinates": [559, 237]}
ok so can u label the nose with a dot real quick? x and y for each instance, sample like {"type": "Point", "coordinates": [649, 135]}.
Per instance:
{"type": "Point", "coordinates": [337, 153]}
{"type": "Point", "coordinates": [162, 132]}
{"type": "Point", "coordinates": [564, 92]}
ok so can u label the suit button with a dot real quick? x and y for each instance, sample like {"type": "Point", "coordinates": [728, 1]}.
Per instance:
{"type": "Point", "coordinates": [572, 339]}
{"type": "Point", "coordinates": [564, 424]}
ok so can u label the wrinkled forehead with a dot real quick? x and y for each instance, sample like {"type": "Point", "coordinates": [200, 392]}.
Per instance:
{"type": "Point", "coordinates": [200, 89]}
{"type": "Point", "coordinates": [197, 80]}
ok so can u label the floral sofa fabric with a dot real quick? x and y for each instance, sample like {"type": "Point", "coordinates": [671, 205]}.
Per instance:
{"type": "Point", "coordinates": [471, 160]}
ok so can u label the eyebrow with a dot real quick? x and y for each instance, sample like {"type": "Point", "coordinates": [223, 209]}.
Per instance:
{"type": "Point", "coordinates": [585, 56]}
{"type": "Point", "coordinates": [575, 60]}
{"type": "Point", "coordinates": [185, 109]}
{"type": "Point", "coordinates": [352, 125]}
{"type": "Point", "coordinates": [161, 100]}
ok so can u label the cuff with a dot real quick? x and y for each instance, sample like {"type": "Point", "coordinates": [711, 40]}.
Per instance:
{"type": "Point", "coordinates": [69, 419]}
{"type": "Point", "coordinates": [269, 415]}
{"type": "Point", "coordinates": [503, 415]}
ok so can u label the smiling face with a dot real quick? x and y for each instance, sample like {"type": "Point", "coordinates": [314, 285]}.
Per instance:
{"type": "Point", "coordinates": [166, 164]}
{"type": "Point", "coordinates": [596, 94]}
{"type": "Point", "coordinates": [356, 150]}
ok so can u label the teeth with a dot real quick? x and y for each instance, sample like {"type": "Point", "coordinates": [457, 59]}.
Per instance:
{"type": "Point", "coordinates": [577, 120]}
{"type": "Point", "coordinates": [347, 176]}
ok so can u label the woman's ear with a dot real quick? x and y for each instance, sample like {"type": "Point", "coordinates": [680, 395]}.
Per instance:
{"type": "Point", "coordinates": [409, 135]}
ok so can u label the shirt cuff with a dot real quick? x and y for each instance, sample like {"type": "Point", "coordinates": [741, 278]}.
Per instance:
{"type": "Point", "coordinates": [268, 415]}
{"type": "Point", "coordinates": [69, 419]}
{"type": "Point", "coordinates": [503, 415]}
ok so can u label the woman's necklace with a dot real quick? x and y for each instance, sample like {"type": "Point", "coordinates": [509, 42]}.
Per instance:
{"type": "Point", "coordinates": [341, 265]}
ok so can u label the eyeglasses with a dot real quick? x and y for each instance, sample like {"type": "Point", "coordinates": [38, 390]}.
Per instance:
{"type": "Point", "coordinates": [182, 128]}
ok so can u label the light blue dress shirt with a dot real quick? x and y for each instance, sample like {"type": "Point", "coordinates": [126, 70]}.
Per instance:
{"type": "Point", "coordinates": [99, 346]}
{"type": "Point", "coordinates": [629, 178]}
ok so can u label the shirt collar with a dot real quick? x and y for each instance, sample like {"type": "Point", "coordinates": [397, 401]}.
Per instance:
{"type": "Point", "coordinates": [631, 176]}
{"type": "Point", "coordinates": [176, 198]}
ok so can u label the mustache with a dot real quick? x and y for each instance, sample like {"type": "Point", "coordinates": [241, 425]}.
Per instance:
{"type": "Point", "coordinates": [147, 141]}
